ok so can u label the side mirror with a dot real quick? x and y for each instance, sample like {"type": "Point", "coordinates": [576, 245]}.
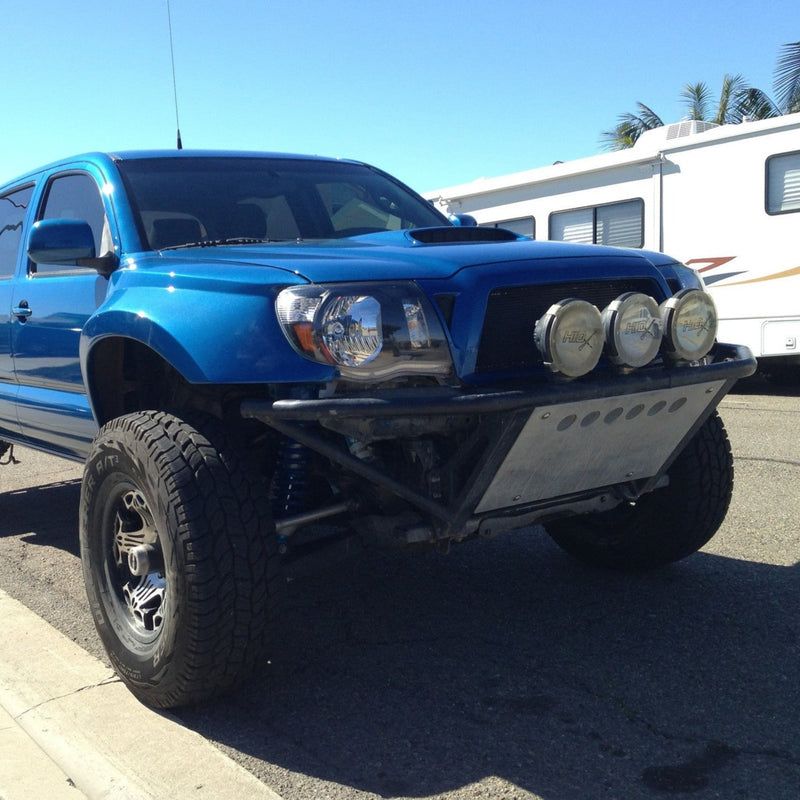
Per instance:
{"type": "Point", "coordinates": [465, 221]}
{"type": "Point", "coordinates": [69, 242]}
{"type": "Point", "coordinates": [60, 241]}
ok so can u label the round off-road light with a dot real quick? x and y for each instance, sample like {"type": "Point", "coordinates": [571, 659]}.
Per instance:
{"type": "Point", "coordinates": [633, 329]}
{"type": "Point", "coordinates": [689, 318]}
{"type": "Point", "coordinates": [569, 336]}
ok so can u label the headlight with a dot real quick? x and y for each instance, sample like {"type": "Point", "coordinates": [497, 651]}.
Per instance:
{"type": "Point", "coordinates": [690, 325]}
{"type": "Point", "coordinates": [369, 331]}
{"type": "Point", "coordinates": [350, 330]}
{"type": "Point", "coordinates": [569, 336]}
{"type": "Point", "coordinates": [687, 277]}
{"type": "Point", "coordinates": [632, 326]}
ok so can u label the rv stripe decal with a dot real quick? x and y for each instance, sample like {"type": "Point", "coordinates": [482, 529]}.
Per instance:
{"type": "Point", "coordinates": [713, 263]}
{"type": "Point", "coordinates": [775, 276]}
{"type": "Point", "coordinates": [711, 279]}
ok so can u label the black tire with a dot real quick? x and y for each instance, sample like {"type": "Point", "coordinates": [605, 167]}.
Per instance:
{"type": "Point", "coordinates": [200, 624]}
{"type": "Point", "coordinates": [667, 524]}
{"type": "Point", "coordinates": [787, 377]}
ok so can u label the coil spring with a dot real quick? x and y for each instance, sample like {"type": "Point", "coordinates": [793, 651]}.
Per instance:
{"type": "Point", "coordinates": [290, 483]}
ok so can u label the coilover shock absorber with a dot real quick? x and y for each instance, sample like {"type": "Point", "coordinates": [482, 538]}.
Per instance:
{"type": "Point", "coordinates": [291, 481]}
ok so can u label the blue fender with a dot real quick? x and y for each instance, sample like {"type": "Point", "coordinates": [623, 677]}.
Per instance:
{"type": "Point", "coordinates": [209, 336]}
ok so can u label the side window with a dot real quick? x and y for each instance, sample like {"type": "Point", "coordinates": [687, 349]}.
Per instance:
{"type": "Point", "coordinates": [783, 183]}
{"type": "Point", "coordinates": [615, 224]}
{"type": "Point", "coordinates": [523, 226]}
{"type": "Point", "coordinates": [76, 197]}
{"type": "Point", "coordinates": [12, 215]}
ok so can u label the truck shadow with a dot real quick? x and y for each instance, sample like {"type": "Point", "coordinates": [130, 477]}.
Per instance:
{"type": "Point", "coordinates": [506, 661]}
{"type": "Point", "coordinates": [759, 384]}
{"type": "Point", "coordinates": [43, 515]}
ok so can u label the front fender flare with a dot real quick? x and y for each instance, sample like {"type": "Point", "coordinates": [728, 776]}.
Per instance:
{"type": "Point", "coordinates": [208, 339]}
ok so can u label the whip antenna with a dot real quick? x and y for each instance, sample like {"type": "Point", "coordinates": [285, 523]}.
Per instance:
{"type": "Point", "coordinates": [174, 83]}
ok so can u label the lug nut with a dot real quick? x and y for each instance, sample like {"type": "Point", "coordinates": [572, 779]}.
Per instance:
{"type": "Point", "coordinates": [140, 560]}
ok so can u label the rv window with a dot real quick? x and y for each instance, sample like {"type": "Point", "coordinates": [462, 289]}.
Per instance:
{"type": "Point", "coordinates": [783, 183]}
{"type": "Point", "coordinates": [620, 224]}
{"type": "Point", "coordinates": [615, 224]}
{"type": "Point", "coordinates": [522, 226]}
{"type": "Point", "coordinates": [573, 226]}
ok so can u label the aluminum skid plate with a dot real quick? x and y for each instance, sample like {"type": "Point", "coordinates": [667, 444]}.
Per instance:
{"type": "Point", "coordinates": [573, 447]}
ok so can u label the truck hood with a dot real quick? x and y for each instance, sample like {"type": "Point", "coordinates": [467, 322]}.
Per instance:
{"type": "Point", "coordinates": [392, 256]}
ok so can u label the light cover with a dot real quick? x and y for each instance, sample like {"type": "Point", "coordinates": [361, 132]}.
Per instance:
{"type": "Point", "coordinates": [369, 331]}
{"type": "Point", "coordinates": [569, 336]}
{"type": "Point", "coordinates": [633, 329]}
{"type": "Point", "coordinates": [690, 325]}
{"type": "Point", "coordinates": [351, 329]}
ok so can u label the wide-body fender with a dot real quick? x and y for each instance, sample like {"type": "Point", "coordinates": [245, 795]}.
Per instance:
{"type": "Point", "coordinates": [212, 330]}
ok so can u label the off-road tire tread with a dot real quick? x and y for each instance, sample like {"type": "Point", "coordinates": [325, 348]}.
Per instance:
{"type": "Point", "coordinates": [666, 525]}
{"type": "Point", "coordinates": [220, 510]}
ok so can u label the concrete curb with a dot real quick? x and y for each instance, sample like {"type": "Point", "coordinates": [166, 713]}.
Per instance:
{"type": "Point", "coordinates": [26, 771]}
{"type": "Point", "coordinates": [98, 736]}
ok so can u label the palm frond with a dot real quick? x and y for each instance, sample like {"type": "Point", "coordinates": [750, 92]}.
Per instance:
{"type": "Point", "coordinates": [630, 127]}
{"type": "Point", "coordinates": [787, 77]}
{"type": "Point", "coordinates": [648, 118]}
{"type": "Point", "coordinates": [755, 104]}
{"type": "Point", "coordinates": [619, 137]}
{"type": "Point", "coordinates": [697, 97]}
{"type": "Point", "coordinates": [792, 105]}
{"type": "Point", "coordinates": [733, 88]}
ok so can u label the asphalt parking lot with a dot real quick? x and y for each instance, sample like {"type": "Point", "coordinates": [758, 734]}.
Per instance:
{"type": "Point", "coordinates": [505, 669]}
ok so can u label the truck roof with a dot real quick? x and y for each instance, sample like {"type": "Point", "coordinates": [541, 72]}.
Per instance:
{"type": "Point", "coordinates": [131, 155]}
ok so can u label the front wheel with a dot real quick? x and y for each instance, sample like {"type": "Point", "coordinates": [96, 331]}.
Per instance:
{"type": "Point", "coordinates": [667, 524]}
{"type": "Point", "coordinates": [179, 556]}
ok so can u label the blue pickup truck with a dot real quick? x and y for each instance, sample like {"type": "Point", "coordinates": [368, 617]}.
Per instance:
{"type": "Point", "coordinates": [259, 356]}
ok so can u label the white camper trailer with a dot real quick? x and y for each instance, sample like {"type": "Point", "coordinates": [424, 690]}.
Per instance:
{"type": "Point", "coordinates": [723, 199]}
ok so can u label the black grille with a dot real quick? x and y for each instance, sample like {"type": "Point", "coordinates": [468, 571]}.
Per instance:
{"type": "Point", "coordinates": [507, 336]}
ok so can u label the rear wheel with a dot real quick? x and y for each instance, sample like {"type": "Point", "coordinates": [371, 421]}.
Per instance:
{"type": "Point", "coordinates": [785, 375]}
{"type": "Point", "coordinates": [179, 556]}
{"type": "Point", "coordinates": [667, 524]}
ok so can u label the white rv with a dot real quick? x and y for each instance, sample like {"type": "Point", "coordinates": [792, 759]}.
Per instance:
{"type": "Point", "coordinates": [723, 199]}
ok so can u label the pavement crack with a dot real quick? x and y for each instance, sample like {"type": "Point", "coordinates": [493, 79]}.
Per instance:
{"type": "Point", "coordinates": [106, 681]}
{"type": "Point", "coordinates": [742, 407]}
{"type": "Point", "coordinates": [638, 718]}
{"type": "Point", "coordinates": [787, 461]}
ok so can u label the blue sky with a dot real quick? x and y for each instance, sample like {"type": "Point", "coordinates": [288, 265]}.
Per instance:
{"type": "Point", "coordinates": [435, 93]}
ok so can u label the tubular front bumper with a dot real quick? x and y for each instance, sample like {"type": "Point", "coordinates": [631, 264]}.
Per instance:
{"type": "Point", "coordinates": [550, 445]}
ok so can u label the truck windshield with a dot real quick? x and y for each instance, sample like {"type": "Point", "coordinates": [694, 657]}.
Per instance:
{"type": "Point", "coordinates": [229, 200]}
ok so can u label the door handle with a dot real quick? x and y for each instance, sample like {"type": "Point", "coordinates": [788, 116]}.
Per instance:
{"type": "Point", "coordinates": [22, 311]}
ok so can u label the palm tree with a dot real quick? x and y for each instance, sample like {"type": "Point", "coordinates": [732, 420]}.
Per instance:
{"type": "Point", "coordinates": [787, 78]}
{"type": "Point", "coordinates": [737, 101]}
{"type": "Point", "coordinates": [699, 105]}
{"type": "Point", "coordinates": [630, 127]}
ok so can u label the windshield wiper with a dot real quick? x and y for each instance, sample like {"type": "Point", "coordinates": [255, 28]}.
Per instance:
{"type": "Point", "coordinates": [220, 242]}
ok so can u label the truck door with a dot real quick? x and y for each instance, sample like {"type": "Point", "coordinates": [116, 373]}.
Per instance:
{"type": "Point", "coordinates": [50, 307]}
{"type": "Point", "coordinates": [13, 209]}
